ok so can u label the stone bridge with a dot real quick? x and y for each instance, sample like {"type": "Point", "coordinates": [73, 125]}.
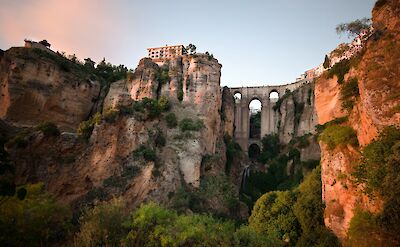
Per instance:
{"type": "Point", "coordinates": [269, 117]}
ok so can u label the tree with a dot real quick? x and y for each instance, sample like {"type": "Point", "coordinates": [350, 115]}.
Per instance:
{"type": "Point", "coordinates": [354, 28]}
{"type": "Point", "coordinates": [45, 43]}
{"type": "Point", "coordinates": [327, 62]}
{"type": "Point", "coordinates": [89, 63]}
{"type": "Point", "coordinates": [191, 49]}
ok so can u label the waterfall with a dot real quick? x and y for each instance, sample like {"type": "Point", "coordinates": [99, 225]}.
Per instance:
{"type": "Point", "coordinates": [245, 175]}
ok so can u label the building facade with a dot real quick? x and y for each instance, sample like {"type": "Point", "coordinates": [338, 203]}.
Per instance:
{"type": "Point", "coordinates": [165, 52]}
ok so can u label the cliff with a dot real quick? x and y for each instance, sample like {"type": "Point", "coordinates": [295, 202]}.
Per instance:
{"type": "Point", "coordinates": [374, 74]}
{"type": "Point", "coordinates": [135, 150]}
{"type": "Point", "coordinates": [38, 86]}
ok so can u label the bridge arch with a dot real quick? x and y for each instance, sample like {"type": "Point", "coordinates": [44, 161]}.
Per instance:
{"type": "Point", "coordinates": [268, 96]}
{"type": "Point", "coordinates": [254, 151]}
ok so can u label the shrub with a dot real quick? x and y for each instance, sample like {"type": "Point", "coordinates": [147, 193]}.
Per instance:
{"type": "Point", "coordinates": [48, 129]}
{"type": "Point", "coordinates": [86, 127]}
{"type": "Point", "coordinates": [187, 124]}
{"type": "Point", "coordinates": [163, 103]}
{"type": "Point", "coordinates": [335, 135]}
{"type": "Point", "coordinates": [340, 69]}
{"type": "Point", "coordinates": [365, 231]}
{"type": "Point", "coordinates": [20, 139]}
{"type": "Point", "coordinates": [380, 3]}
{"type": "Point", "coordinates": [348, 92]}
{"type": "Point", "coordinates": [159, 139]}
{"type": "Point", "coordinates": [147, 153]}
{"type": "Point", "coordinates": [102, 225]}
{"type": "Point", "coordinates": [232, 150]}
{"type": "Point", "coordinates": [110, 115]}
{"type": "Point", "coordinates": [327, 62]}
{"type": "Point", "coordinates": [152, 225]}
{"type": "Point", "coordinates": [162, 76]}
{"type": "Point", "coordinates": [35, 221]}
{"type": "Point", "coordinates": [247, 236]}
{"type": "Point", "coordinates": [172, 122]}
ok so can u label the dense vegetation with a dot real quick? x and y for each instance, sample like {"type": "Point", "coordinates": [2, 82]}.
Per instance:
{"type": "Point", "coordinates": [335, 135]}
{"type": "Point", "coordinates": [36, 220]}
{"type": "Point", "coordinates": [379, 174]}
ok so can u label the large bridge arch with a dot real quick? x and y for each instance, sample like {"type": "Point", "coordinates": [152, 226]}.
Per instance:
{"type": "Point", "coordinates": [269, 117]}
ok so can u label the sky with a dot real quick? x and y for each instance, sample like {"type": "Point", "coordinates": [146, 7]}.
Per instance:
{"type": "Point", "coordinates": [258, 42]}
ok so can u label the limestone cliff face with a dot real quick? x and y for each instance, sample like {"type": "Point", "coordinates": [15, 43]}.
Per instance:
{"type": "Point", "coordinates": [378, 76]}
{"type": "Point", "coordinates": [35, 88]}
{"type": "Point", "coordinates": [297, 117]}
{"type": "Point", "coordinates": [108, 164]}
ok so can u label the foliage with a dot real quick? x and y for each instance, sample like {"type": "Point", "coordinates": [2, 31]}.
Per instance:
{"type": "Point", "coordinates": [102, 225]}
{"type": "Point", "coordinates": [309, 95]}
{"type": "Point", "coordinates": [152, 107]}
{"type": "Point", "coordinates": [20, 140]}
{"type": "Point", "coordinates": [187, 124]}
{"type": "Point", "coordinates": [380, 3]}
{"type": "Point", "coordinates": [171, 120]}
{"type": "Point", "coordinates": [35, 221]}
{"type": "Point", "coordinates": [162, 76]}
{"type": "Point", "coordinates": [110, 73]}
{"type": "Point", "coordinates": [147, 153]}
{"type": "Point", "coordinates": [179, 91]}
{"type": "Point", "coordinates": [273, 215]}
{"type": "Point", "coordinates": [364, 230]}
{"type": "Point", "coordinates": [48, 129]}
{"type": "Point", "coordinates": [348, 93]}
{"type": "Point", "coordinates": [247, 236]}
{"type": "Point", "coordinates": [298, 110]}
{"type": "Point", "coordinates": [152, 225]}
{"type": "Point", "coordinates": [86, 127]}
{"type": "Point", "coordinates": [159, 139]}
{"type": "Point", "coordinates": [340, 69]}
{"type": "Point", "coordinates": [336, 135]}
{"type": "Point", "coordinates": [110, 115]}
{"type": "Point", "coordinates": [278, 104]}
{"type": "Point", "coordinates": [232, 150]}
{"type": "Point", "coordinates": [255, 125]}
{"type": "Point", "coordinates": [191, 49]}
{"type": "Point", "coordinates": [327, 62]}
{"type": "Point", "coordinates": [271, 148]}
{"type": "Point", "coordinates": [295, 216]}
{"type": "Point", "coordinates": [320, 128]}
{"type": "Point", "coordinates": [354, 28]}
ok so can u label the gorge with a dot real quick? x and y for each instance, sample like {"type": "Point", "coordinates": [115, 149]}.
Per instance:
{"type": "Point", "coordinates": [168, 150]}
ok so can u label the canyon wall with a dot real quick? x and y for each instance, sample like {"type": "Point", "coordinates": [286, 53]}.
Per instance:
{"type": "Point", "coordinates": [377, 72]}
{"type": "Point", "coordinates": [113, 161]}
{"type": "Point", "coordinates": [35, 87]}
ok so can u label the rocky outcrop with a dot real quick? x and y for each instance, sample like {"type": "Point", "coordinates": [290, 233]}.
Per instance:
{"type": "Point", "coordinates": [377, 74]}
{"type": "Point", "coordinates": [38, 86]}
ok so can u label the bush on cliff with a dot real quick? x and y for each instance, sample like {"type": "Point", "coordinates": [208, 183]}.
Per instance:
{"type": "Point", "coordinates": [172, 122]}
{"type": "Point", "coordinates": [379, 174]}
{"type": "Point", "coordinates": [336, 135]}
{"type": "Point", "coordinates": [48, 129]}
{"type": "Point", "coordinates": [187, 124]}
{"type": "Point", "coordinates": [348, 93]}
{"type": "Point", "coordinates": [85, 128]}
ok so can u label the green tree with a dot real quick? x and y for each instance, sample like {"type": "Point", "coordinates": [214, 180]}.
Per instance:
{"type": "Point", "coordinates": [353, 28]}
{"type": "Point", "coordinates": [102, 225]}
{"type": "Point", "coordinates": [38, 220]}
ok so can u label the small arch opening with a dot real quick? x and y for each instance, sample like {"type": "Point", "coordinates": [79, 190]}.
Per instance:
{"type": "Point", "coordinates": [254, 151]}
{"type": "Point", "coordinates": [255, 107]}
{"type": "Point", "coordinates": [238, 97]}
{"type": "Point", "coordinates": [274, 96]}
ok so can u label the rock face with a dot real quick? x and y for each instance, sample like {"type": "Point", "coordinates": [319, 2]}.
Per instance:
{"type": "Point", "coordinates": [35, 87]}
{"type": "Point", "coordinates": [378, 76]}
{"type": "Point", "coordinates": [297, 117]}
{"type": "Point", "coordinates": [111, 162]}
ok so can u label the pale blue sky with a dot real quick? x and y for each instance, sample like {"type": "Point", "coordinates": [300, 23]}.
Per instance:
{"type": "Point", "coordinates": [257, 42]}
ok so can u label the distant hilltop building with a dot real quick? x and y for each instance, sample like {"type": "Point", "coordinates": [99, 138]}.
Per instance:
{"type": "Point", "coordinates": [164, 52]}
{"type": "Point", "coordinates": [42, 45]}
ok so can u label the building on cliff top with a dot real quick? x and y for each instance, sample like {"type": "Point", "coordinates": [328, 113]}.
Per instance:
{"type": "Point", "coordinates": [159, 53]}
{"type": "Point", "coordinates": [38, 45]}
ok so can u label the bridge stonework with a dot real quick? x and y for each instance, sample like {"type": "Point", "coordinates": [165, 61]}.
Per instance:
{"type": "Point", "coordinates": [269, 117]}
